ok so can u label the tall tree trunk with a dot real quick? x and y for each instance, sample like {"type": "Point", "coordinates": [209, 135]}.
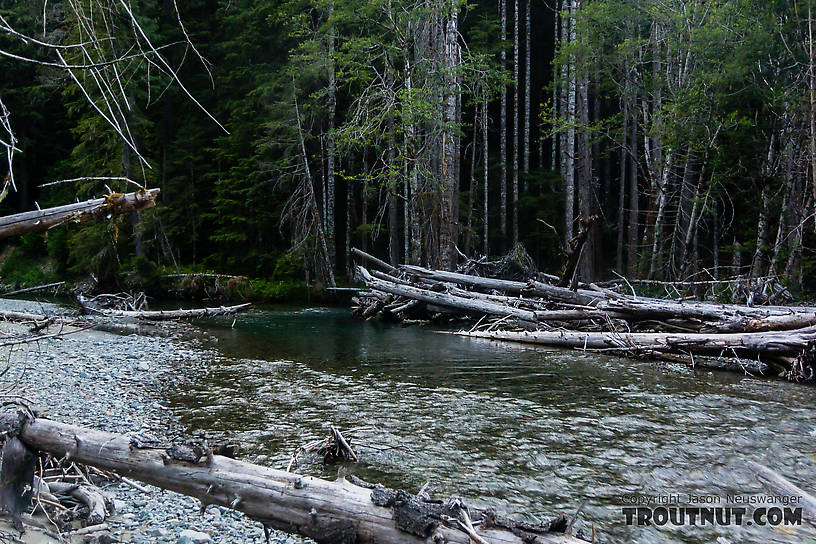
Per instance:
{"type": "Point", "coordinates": [634, 211]}
{"type": "Point", "coordinates": [563, 97]}
{"type": "Point", "coordinates": [692, 235]}
{"type": "Point", "coordinates": [688, 189]}
{"type": "Point", "coordinates": [393, 190]}
{"type": "Point", "coordinates": [503, 129]}
{"type": "Point", "coordinates": [349, 202]}
{"type": "Point", "coordinates": [313, 206]}
{"type": "Point", "coordinates": [569, 215]}
{"type": "Point", "coordinates": [762, 231]}
{"type": "Point", "coordinates": [655, 266]}
{"type": "Point", "coordinates": [716, 241]}
{"type": "Point", "coordinates": [472, 186]}
{"type": "Point", "coordinates": [485, 151]}
{"type": "Point", "coordinates": [413, 236]}
{"type": "Point", "coordinates": [516, 90]}
{"type": "Point", "coordinates": [585, 181]}
{"type": "Point", "coordinates": [527, 53]}
{"type": "Point", "coordinates": [364, 203]}
{"type": "Point", "coordinates": [447, 229]}
{"type": "Point", "coordinates": [332, 105]}
{"type": "Point", "coordinates": [784, 217]}
{"type": "Point", "coordinates": [555, 90]}
{"type": "Point", "coordinates": [812, 71]}
{"type": "Point", "coordinates": [622, 186]}
{"type": "Point", "coordinates": [758, 262]}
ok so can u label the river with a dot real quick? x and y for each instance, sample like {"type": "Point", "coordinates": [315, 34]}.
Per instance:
{"type": "Point", "coordinates": [527, 429]}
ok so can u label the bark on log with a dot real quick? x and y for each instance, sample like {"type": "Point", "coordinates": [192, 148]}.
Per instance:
{"type": "Point", "coordinates": [756, 343]}
{"type": "Point", "coordinates": [328, 512]}
{"type": "Point", "coordinates": [778, 484]}
{"type": "Point", "coordinates": [445, 299]}
{"type": "Point", "coordinates": [164, 315]}
{"type": "Point", "coordinates": [372, 259]}
{"type": "Point", "coordinates": [717, 317]}
{"type": "Point", "coordinates": [22, 316]}
{"type": "Point", "coordinates": [713, 317]}
{"type": "Point", "coordinates": [465, 279]}
{"type": "Point", "coordinates": [32, 289]}
{"type": "Point", "coordinates": [99, 208]}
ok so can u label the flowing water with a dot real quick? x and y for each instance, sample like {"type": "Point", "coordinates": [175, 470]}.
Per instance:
{"type": "Point", "coordinates": [527, 429]}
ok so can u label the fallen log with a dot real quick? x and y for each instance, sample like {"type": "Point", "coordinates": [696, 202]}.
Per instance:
{"type": "Point", "coordinates": [750, 344]}
{"type": "Point", "coordinates": [713, 317]}
{"type": "Point", "coordinates": [779, 485]}
{"type": "Point", "coordinates": [328, 512]}
{"type": "Point", "coordinates": [165, 315]}
{"type": "Point", "coordinates": [8, 315]}
{"type": "Point", "coordinates": [372, 259]}
{"type": "Point", "coordinates": [32, 289]}
{"type": "Point", "coordinates": [480, 282]}
{"type": "Point", "coordinates": [445, 299]}
{"type": "Point", "coordinates": [98, 208]}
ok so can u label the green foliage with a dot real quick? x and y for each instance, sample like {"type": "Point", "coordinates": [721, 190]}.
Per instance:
{"type": "Point", "coordinates": [276, 291]}
{"type": "Point", "coordinates": [227, 199]}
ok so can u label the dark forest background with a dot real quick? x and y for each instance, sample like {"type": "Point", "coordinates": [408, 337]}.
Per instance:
{"type": "Point", "coordinates": [411, 129]}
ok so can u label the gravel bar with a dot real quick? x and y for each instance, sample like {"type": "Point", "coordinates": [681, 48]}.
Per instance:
{"type": "Point", "coordinates": [113, 383]}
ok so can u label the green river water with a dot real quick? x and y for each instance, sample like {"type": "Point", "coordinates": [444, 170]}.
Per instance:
{"type": "Point", "coordinates": [530, 430]}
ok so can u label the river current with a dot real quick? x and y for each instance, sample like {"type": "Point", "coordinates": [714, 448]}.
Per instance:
{"type": "Point", "coordinates": [530, 430]}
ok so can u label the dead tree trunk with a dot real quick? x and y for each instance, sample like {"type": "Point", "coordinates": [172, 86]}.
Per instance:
{"type": "Point", "coordinates": [788, 343]}
{"type": "Point", "coordinates": [503, 130]}
{"type": "Point", "coordinates": [166, 315]}
{"type": "Point", "coordinates": [328, 512]}
{"type": "Point", "coordinates": [99, 208]}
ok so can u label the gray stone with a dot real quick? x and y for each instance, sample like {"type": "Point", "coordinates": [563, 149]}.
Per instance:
{"type": "Point", "coordinates": [188, 536]}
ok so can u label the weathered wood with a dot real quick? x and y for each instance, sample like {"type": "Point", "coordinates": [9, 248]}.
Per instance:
{"type": "Point", "coordinates": [164, 315]}
{"type": "Point", "coordinates": [773, 343]}
{"type": "Point", "coordinates": [8, 315]}
{"type": "Point", "coordinates": [328, 512]}
{"type": "Point", "coordinates": [32, 289]}
{"type": "Point", "coordinates": [778, 484]}
{"type": "Point", "coordinates": [372, 259]}
{"type": "Point", "coordinates": [99, 208]}
{"type": "Point", "coordinates": [445, 299]}
{"type": "Point", "coordinates": [713, 317]}
{"type": "Point", "coordinates": [508, 286]}
{"type": "Point", "coordinates": [717, 317]}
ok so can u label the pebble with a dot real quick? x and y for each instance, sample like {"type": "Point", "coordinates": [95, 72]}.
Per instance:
{"type": "Point", "coordinates": [189, 536]}
{"type": "Point", "coordinates": [119, 384]}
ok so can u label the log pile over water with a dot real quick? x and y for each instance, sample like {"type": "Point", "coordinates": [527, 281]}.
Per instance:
{"type": "Point", "coordinates": [773, 340]}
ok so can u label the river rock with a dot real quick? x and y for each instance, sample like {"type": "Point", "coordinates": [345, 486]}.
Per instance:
{"type": "Point", "coordinates": [188, 536]}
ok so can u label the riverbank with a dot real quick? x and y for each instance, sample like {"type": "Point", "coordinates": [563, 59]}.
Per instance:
{"type": "Point", "coordinates": [113, 383]}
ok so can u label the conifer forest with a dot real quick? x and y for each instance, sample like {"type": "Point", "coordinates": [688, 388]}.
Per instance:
{"type": "Point", "coordinates": [282, 134]}
{"type": "Point", "coordinates": [407, 271]}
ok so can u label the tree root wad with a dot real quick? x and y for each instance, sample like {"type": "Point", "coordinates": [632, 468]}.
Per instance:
{"type": "Point", "coordinates": [327, 511]}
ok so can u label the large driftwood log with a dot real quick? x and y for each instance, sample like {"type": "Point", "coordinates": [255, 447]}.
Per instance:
{"type": "Point", "coordinates": [9, 315]}
{"type": "Point", "coordinates": [445, 299]}
{"type": "Point", "coordinates": [113, 204]}
{"type": "Point", "coordinates": [165, 315]}
{"type": "Point", "coordinates": [778, 484]}
{"type": "Point", "coordinates": [710, 317]}
{"type": "Point", "coordinates": [32, 289]}
{"type": "Point", "coordinates": [372, 259]}
{"type": "Point", "coordinates": [788, 343]}
{"type": "Point", "coordinates": [328, 512]}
